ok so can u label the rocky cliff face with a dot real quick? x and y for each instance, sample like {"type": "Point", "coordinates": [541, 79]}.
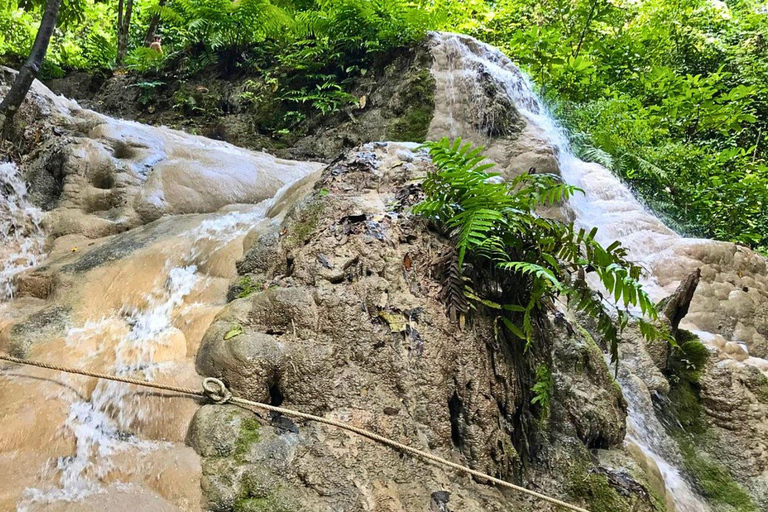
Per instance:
{"type": "Point", "coordinates": [314, 288]}
{"type": "Point", "coordinates": [339, 314]}
{"type": "Point", "coordinates": [396, 103]}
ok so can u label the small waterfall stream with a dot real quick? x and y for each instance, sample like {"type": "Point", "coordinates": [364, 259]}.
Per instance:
{"type": "Point", "coordinates": [143, 244]}
{"type": "Point", "coordinates": [143, 340]}
{"type": "Point", "coordinates": [461, 65]}
{"type": "Point", "coordinates": [146, 345]}
{"type": "Point", "coordinates": [137, 286]}
{"type": "Point", "coordinates": [21, 238]}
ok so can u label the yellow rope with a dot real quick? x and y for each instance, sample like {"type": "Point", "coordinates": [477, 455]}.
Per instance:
{"type": "Point", "coordinates": [218, 392]}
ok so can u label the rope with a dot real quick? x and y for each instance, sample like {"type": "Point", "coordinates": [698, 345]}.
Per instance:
{"type": "Point", "coordinates": [217, 391]}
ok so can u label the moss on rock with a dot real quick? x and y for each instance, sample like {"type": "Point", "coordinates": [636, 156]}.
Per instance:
{"type": "Point", "coordinates": [305, 221]}
{"type": "Point", "coordinates": [419, 101]}
{"type": "Point", "coordinates": [249, 434]}
{"type": "Point", "coordinates": [691, 432]}
{"type": "Point", "coordinates": [596, 491]}
{"type": "Point", "coordinates": [712, 478]}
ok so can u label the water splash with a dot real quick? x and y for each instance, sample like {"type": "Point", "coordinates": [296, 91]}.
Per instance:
{"type": "Point", "coordinates": [103, 426]}
{"type": "Point", "coordinates": [21, 237]}
{"type": "Point", "coordinates": [462, 65]}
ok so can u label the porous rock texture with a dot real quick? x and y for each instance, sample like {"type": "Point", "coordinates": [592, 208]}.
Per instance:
{"type": "Point", "coordinates": [100, 176]}
{"type": "Point", "coordinates": [339, 315]}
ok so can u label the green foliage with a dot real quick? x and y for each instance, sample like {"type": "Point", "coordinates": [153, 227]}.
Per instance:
{"type": "Point", "coordinates": [144, 60]}
{"type": "Point", "coordinates": [543, 389]}
{"type": "Point", "coordinates": [308, 52]}
{"type": "Point", "coordinates": [83, 40]}
{"type": "Point", "coordinates": [304, 55]}
{"type": "Point", "coordinates": [497, 223]}
{"type": "Point", "coordinates": [670, 95]}
{"type": "Point", "coordinates": [147, 88]}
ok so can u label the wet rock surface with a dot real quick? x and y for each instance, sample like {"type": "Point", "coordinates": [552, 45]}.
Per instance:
{"type": "Point", "coordinates": [143, 227]}
{"type": "Point", "coordinates": [343, 319]}
{"type": "Point", "coordinates": [336, 310]}
{"type": "Point", "coordinates": [99, 176]}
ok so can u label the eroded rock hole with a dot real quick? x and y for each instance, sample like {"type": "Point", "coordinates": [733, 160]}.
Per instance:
{"type": "Point", "coordinates": [289, 266]}
{"type": "Point", "coordinates": [103, 180]}
{"type": "Point", "coordinates": [456, 408]}
{"type": "Point", "coordinates": [275, 395]}
{"type": "Point", "coordinates": [123, 151]}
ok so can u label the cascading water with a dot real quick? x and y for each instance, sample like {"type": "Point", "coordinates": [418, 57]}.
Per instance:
{"type": "Point", "coordinates": [463, 68]}
{"type": "Point", "coordinates": [21, 238]}
{"type": "Point", "coordinates": [143, 236]}
{"type": "Point", "coordinates": [146, 345]}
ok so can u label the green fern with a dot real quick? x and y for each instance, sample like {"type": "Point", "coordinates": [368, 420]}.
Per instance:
{"type": "Point", "coordinates": [543, 390]}
{"type": "Point", "coordinates": [497, 223]}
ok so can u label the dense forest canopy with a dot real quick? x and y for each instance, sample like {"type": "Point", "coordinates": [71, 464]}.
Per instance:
{"type": "Point", "coordinates": [670, 95]}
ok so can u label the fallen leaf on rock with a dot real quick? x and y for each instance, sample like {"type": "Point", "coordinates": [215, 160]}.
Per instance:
{"type": "Point", "coordinates": [234, 331]}
{"type": "Point", "coordinates": [396, 321]}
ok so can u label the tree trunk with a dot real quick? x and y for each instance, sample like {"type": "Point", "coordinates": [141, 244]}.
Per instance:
{"type": "Point", "coordinates": [154, 22]}
{"type": "Point", "coordinates": [123, 29]}
{"type": "Point", "coordinates": [118, 57]}
{"type": "Point", "coordinates": [30, 69]}
{"type": "Point", "coordinates": [586, 28]}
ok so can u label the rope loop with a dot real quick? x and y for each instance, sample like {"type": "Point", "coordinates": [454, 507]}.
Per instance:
{"type": "Point", "coordinates": [216, 390]}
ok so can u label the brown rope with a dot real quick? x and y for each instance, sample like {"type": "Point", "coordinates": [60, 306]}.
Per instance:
{"type": "Point", "coordinates": [215, 390]}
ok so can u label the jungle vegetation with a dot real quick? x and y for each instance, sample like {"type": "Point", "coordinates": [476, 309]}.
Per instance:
{"type": "Point", "coordinates": [672, 95]}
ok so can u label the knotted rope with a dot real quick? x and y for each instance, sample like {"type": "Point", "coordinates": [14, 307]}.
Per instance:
{"type": "Point", "coordinates": [216, 391]}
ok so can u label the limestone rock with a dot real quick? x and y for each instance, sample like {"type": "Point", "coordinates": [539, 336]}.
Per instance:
{"type": "Point", "coordinates": [99, 176]}
{"type": "Point", "coordinates": [347, 322]}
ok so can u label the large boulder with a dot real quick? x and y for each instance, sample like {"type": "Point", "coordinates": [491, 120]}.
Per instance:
{"type": "Point", "coordinates": [337, 312]}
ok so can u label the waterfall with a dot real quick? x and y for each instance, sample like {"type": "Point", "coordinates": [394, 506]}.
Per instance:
{"type": "Point", "coordinates": [21, 237]}
{"type": "Point", "coordinates": [144, 341]}
{"type": "Point", "coordinates": [464, 68]}
{"type": "Point", "coordinates": [143, 237]}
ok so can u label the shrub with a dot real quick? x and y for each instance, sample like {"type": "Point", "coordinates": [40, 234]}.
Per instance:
{"type": "Point", "coordinates": [495, 224]}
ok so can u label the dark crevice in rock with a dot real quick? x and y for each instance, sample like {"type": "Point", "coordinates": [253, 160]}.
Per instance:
{"type": "Point", "coordinates": [276, 397]}
{"type": "Point", "coordinates": [456, 410]}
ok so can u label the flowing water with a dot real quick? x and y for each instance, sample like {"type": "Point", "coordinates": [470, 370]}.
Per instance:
{"type": "Point", "coordinates": [21, 237]}
{"type": "Point", "coordinates": [141, 341]}
{"type": "Point", "coordinates": [464, 69]}
{"type": "Point", "coordinates": [143, 256]}
{"type": "Point", "coordinates": [121, 293]}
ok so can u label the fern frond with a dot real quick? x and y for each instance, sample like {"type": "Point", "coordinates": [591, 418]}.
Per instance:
{"type": "Point", "coordinates": [496, 223]}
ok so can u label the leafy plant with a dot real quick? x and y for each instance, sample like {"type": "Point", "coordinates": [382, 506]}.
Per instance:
{"type": "Point", "coordinates": [147, 90]}
{"type": "Point", "coordinates": [543, 390]}
{"type": "Point", "coordinates": [143, 60]}
{"type": "Point", "coordinates": [670, 94]}
{"type": "Point", "coordinates": [496, 223]}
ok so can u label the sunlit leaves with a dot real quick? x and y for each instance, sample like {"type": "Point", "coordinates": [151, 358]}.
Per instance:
{"type": "Point", "coordinates": [497, 222]}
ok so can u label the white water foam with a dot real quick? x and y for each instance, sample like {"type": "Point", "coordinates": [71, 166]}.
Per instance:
{"type": "Point", "coordinates": [21, 237]}
{"type": "Point", "coordinates": [607, 204]}
{"type": "Point", "coordinates": [101, 426]}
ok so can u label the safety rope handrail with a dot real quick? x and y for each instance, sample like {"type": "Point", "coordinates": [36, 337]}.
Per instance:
{"type": "Point", "coordinates": [216, 391]}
